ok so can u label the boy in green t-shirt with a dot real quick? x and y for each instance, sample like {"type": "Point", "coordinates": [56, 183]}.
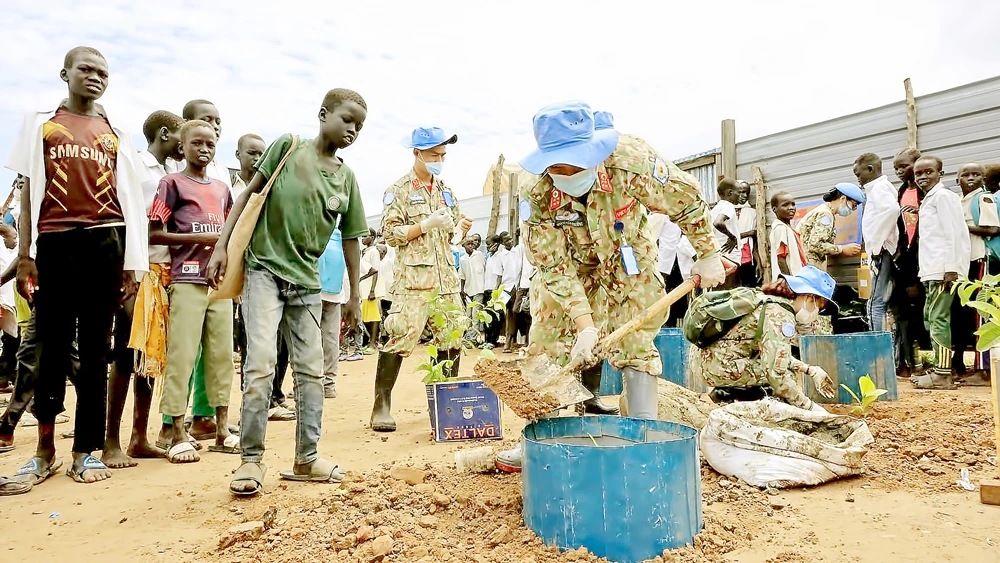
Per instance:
{"type": "Point", "coordinates": [313, 192]}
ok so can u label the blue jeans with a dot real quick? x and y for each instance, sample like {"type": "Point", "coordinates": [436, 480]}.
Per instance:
{"type": "Point", "coordinates": [270, 302]}
{"type": "Point", "coordinates": [881, 290]}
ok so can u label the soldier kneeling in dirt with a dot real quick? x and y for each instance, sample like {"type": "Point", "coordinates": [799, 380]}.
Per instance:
{"type": "Point", "coordinates": [746, 336]}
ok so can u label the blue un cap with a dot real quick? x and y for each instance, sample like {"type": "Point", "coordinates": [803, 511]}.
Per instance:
{"type": "Point", "coordinates": [603, 120]}
{"type": "Point", "coordinates": [812, 281]}
{"type": "Point", "coordinates": [424, 138]}
{"type": "Point", "coordinates": [852, 191]}
{"type": "Point", "coordinates": [565, 134]}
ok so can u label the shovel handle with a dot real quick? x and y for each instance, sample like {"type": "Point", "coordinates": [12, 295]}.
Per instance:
{"type": "Point", "coordinates": [653, 311]}
{"type": "Point", "coordinates": [660, 306]}
{"type": "Point", "coordinates": [656, 309]}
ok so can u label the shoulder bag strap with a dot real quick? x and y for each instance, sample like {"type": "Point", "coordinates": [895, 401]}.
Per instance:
{"type": "Point", "coordinates": [279, 167]}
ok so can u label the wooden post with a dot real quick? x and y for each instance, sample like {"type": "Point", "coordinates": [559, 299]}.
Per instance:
{"type": "Point", "coordinates": [989, 489]}
{"type": "Point", "coordinates": [729, 148]}
{"type": "Point", "coordinates": [763, 243]}
{"type": "Point", "coordinates": [512, 199]}
{"type": "Point", "coordinates": [911, 116]}
{"type": "Point", "coordinates": [495, 212]}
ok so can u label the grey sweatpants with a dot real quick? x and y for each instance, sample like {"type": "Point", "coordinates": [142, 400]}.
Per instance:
{"type": "Point", "coordinates": [331, 341]}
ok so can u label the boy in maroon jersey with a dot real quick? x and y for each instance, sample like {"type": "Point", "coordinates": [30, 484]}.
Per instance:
{"type": "Point", "coordinates": [83, 233]}
{"type": "Point", "coordinates": [187, 215]}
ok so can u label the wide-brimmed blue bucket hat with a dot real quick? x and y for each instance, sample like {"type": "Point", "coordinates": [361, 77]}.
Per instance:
{"type": "Point", "coordinates": [423, 138]}
{"type": "Point", "coordinates": [812, 281]}
{"type": "Point", "coordinates": [565, 134]}
{"type": "Point", "coordinates": [852, 191]}
{"type": "Point", "coordinates": [603, 120]}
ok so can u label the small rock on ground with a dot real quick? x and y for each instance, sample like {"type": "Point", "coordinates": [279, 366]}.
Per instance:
{"type": "Point", "coordinates": [409, 475]}
{"type": "Point", "coordinates": [247, 531]}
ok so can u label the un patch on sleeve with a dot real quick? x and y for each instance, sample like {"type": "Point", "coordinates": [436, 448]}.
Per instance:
{"type": "Point", "coordinates": [524, 210]}
{"type": "Point", "coordinates": [661, 173]}
{"type": "Point", "coordinates": [388, 198]}
{"type": "Point", "coordinates": [788, 329]}
{"type": "Point", "coordinates": [825, 221]}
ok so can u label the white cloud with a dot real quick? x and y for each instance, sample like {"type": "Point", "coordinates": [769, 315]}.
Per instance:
{"type": "Point", "coordinates": [670, 72]}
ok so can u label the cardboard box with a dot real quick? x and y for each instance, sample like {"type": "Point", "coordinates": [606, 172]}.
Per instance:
{"type": "Point", "coordinates": [464, 410]}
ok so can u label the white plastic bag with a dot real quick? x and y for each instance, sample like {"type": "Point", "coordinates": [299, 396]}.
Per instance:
{"type": "Point", "coordinates": [770, 443]}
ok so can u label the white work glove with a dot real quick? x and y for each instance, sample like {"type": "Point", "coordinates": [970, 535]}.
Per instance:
{"type": "Point", "coordinates": [462, 229]}
{"type": "Point", "coordinates": [583, 349]}
{"type": "Point", "coordinates": [821, 381]}
{"type": "Point", "coordinates": [711, 271]}
{"type": "Point", "coordinates": [440, 219]}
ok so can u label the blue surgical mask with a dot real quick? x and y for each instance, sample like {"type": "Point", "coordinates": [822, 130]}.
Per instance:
{"type": "Point", "coordinates": [434, 167]}
{"type": "Point", "coordinates": [576, 185]}
{"type": "Point", "coordinates": [845, 211]}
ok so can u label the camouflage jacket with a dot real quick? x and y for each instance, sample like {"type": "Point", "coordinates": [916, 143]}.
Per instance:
{"type": "Point", "coordinates": [739, 360]}
{"type": "Point", "coordinates": [566, 238]}
{"type": "Point", "coordinates": [426, 262]}
{"type": "Point", "coordinates": [818, 231]}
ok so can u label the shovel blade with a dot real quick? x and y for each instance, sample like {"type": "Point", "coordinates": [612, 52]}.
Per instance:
{"type": "Point", "coordinates": [547, 378]}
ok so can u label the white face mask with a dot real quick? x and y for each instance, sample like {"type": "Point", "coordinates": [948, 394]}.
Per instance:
{"type": "Point", "coordinates": [433, 168]}
{"type": "Point", "coordinates": [577, 184]}
{"type": "Point", "coordinates": [806, 310]}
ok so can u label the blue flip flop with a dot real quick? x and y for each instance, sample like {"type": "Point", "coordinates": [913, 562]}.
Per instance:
{"type": "Point", "coordinates": [89, 462]}
{"type": "Point", "coordinates": [36, 470]}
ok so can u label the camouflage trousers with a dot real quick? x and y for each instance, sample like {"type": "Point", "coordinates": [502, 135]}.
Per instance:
{"type": "Point", "coordinates": [407, 319]}
{"type": "Point", "coordinates": [726, 363]}
{"type": "Point", "coordinates": [613, 304]}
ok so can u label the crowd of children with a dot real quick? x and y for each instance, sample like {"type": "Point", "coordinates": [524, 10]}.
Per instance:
{"type": "Point", "coordinates": [921, 238]}
{"type": "Point", "coordinates": [144, 235]}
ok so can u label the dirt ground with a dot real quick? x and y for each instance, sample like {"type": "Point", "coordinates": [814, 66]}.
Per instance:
{"type": "Point", "coordinates": [906, 508]}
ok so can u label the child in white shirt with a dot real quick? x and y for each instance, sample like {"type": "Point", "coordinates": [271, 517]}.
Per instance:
{"type": "Point", "coordinates": [944, 256]}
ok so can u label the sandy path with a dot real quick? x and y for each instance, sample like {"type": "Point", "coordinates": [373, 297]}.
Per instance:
{"type": "Point", "coordinates": [174, 508]}
{"type": "Point", "coordinates": [164, 512]}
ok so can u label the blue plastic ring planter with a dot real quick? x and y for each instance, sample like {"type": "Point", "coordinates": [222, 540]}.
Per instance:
{"type": "Point", "coordinates": [634, 494]}
{"type": "Point", "coordinates": [674, 351]}
{"type": "Point", "coordinates": [846, 357]}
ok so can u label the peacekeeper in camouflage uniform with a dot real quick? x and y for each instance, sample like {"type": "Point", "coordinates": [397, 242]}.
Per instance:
{"type": "Point", "coordinates": [750, 356]}
{"type": "Point", "coordinates": [819, 233]}
{"type": "Point", "coordinates": [585, 224]}
{"type": "Point", "coordinates": [419, 218]}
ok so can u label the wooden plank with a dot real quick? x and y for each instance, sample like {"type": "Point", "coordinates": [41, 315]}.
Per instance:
{"type": "Point", "coordinates": [995, 400]}
{"type": "Point", "coordinates": [729, 148]}
{"type": "Point", "coordinates": [911, 116]}
{"type": "Point", "coordinates": [495, 211]}
{"type": "Point", "coordinates": [763, 243]}
{"type": "Point", "coordinates": [989, 492]}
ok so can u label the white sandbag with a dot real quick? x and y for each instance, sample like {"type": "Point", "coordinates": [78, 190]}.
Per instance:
{"type": "Point", "coordinates": [770, 443]}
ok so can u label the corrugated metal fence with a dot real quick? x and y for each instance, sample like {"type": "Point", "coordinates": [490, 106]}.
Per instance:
{"type": "Point", "coordinates": [959, 125]}
{"type": "Point", "coordinates": [704, 170]}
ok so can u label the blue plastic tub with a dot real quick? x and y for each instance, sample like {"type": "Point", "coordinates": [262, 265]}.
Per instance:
{"type": "Point", "coordinates": [627, 498]}
{"type": "Point", "coordinates": [674, 349]}
{"type": "Point", "coordinates": [846, 357]}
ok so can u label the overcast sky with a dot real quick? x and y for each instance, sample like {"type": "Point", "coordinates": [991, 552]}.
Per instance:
{"type": "Point", "coordinates": [669, 71]}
